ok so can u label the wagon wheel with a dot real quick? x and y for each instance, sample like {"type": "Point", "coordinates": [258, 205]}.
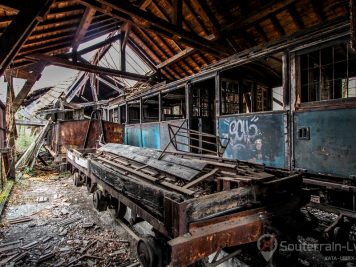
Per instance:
{"type": "Point", "coordinates": [149, 252]}
{"type": "Point", "coordinates": [117, 208]}
{"type": "Point", "coordinates": [99, 201]}
{"type": "Point", "coordinates": [77, 180]}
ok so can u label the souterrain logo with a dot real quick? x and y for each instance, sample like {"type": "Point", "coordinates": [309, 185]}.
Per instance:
{"type": "Point", "coordinates": [267, 244]}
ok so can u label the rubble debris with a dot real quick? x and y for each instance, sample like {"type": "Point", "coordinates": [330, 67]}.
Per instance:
{"type": "Point", "coordinates": [42, 199]}
{"type": "Point", "coordinates": [69, 221]}
{"type": "Point", "coordinates": [74, 239]}
{"type": "Point", "coordinates": [45, 257]}
{"type": "Point", "coordinates": [30, 245]}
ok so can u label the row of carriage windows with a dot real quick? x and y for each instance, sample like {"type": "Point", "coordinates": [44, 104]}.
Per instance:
{"type": "Point", "coordinates": [326, 73]}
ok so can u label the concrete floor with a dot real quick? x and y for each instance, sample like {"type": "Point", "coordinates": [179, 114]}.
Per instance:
{"type": "Point", "coordinates": [47, 202]}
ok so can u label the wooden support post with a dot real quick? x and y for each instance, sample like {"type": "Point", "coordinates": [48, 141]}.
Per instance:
{"type": "Point", "coordinates": [127, 113]}
{"type": "Point", "coordinates": [160, 106]}
{"type": "Point", "coordinates": [188, 108]}
{"type": "Point", "coordinates": [217, 100]}
{"type": "Point", "coordinates": [122, 54]}
{"type": "Point", "coordinates": [119, 114]}
{"type": "Point", "coordinates": [353, 23]}
{"type": "Point", "coordinates": [20, 28]}
{"type": "Point", "coordinates": [285, 80]}
{"type": "Point", "coordinates": [11, 131]}
{"type": "Point", "coordinates": [141, 111]}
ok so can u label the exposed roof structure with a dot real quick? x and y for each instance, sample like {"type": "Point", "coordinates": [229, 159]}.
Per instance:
{"type": "Point", "coordinates": [175, 38]}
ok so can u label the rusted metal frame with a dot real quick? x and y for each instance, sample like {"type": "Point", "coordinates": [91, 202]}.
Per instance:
{"type": "Point", "coordinates": [83, 27]}
{"type": "Point", "coordinates": [17, 32]}
{"type": "Point", "coordinates": [329, 184]}
{"type": "Point", "coordinates": [186, 250]}
{"type": "Point", "coordinates": [127, 12]}
{"type": "Point", "coordinates": [88, 68]}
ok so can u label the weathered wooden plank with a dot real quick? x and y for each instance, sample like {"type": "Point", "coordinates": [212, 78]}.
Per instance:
{"type": "Point", "coordinates": [138, 189]}
{"type": "Point", "coordinates": [148, 177]}
{"type": "Point", "coordinates": [179, 167]}
{"type": "Point", "coordinates": [201, 178]}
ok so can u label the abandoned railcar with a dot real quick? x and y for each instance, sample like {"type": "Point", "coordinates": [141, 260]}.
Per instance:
{"type": "Point", "coordinates": [215, 124]}
{"type": "Point", "coordinates": [290, 107]}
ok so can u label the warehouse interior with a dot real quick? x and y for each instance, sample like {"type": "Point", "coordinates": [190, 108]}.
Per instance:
{"type": "Point", "coordinates": [178, 133]}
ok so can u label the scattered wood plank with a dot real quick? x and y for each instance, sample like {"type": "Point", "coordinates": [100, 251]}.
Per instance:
{"type": "Point", "coordinates": [201, 178]}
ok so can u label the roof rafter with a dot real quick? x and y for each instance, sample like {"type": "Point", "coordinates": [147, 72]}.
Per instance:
{"type": "Point", "coordinates": [83, 27]}
{"type": "Point", "coordinates": [89, 67]}
{"type": "Point", "coordinates": [128, 12]}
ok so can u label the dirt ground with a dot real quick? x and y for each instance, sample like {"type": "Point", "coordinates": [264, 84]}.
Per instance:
{"type": "Point", "coordinates": [50, 222]}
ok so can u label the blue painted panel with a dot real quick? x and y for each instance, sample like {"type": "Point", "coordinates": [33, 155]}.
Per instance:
{"type": "Point", "coordinates": [331, 148]}
{"type": "Point", "coordinates": [151, 135]}
{"type": "Point", "coordinates": [133, 135]}
{"type": "Point", "coordinates": [256, 137]}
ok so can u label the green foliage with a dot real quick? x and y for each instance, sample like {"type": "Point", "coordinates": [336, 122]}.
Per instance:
{"type": "Point", "coordinates": [24, 140]}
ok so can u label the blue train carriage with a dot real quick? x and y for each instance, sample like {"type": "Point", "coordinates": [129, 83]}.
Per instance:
{"type": "Point", "coordinates": [290, 106]}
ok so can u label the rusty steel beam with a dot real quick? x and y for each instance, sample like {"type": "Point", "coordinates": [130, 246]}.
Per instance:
{"type": "Point", "coordinates": [209, 238]}
{"type": "Point", "coordinates": [20, 28]}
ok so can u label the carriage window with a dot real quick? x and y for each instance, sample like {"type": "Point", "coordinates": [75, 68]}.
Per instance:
{"type": "Point", "coordinates": [328, 73]}
{"type": "Point", "coordinates": [230, 100]}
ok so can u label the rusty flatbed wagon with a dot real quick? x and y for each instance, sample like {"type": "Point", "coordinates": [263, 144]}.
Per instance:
{"type": "Point", "coordinates": [196, 204]}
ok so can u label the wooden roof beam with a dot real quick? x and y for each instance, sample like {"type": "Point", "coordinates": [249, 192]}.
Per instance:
{"type": "Point", "coordinates": [277, 25]}
{"type": "Point", "coordinates": [89, 68]}
{"type": "Point", "coordinates": [296, 17]}
{"type": "Point", "coordinates": [268, 9]}
{"type": "Point", "coordinates": [20, 28]}
{"type": "Point", "coordinates": [83, 27]}
{"type": "Point", "coordinates": [177, 16]}
{"type": "Point", "coordinates": [126, 11]}
{"type": "Point", "coordinates": [107, 41]}
{"type": "Point", "coordinates": [26, 88]}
